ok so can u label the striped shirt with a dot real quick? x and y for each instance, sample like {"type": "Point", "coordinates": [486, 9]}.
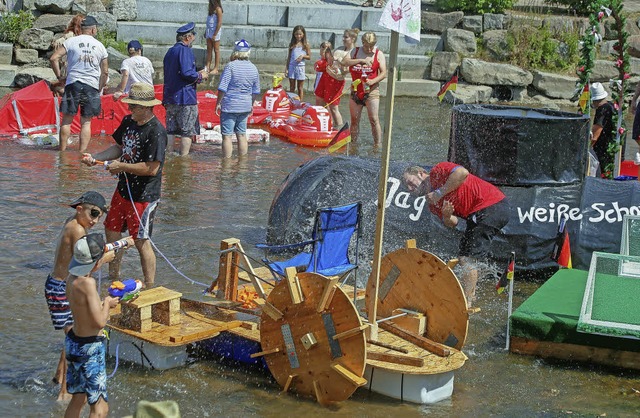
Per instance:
{"type": "Point", "coordinates": [239, 81]}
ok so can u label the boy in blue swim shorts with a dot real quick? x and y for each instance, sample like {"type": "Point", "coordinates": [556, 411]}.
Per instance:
{"type": "Point", "coordinates": [86, 372]}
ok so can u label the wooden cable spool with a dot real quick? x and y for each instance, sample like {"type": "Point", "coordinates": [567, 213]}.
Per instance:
{"type": "Point", "coordinates": [416, 280]}
{"type": "Point", "coordinates": [312, 338]}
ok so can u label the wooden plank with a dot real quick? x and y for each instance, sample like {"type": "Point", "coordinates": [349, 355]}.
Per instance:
{"type": "Point", "coordinates": [294, 285]}
{"type": "Point", "coordinates": [351, 332]}
{"type": "Point", "coordinates": [396, 358]}
{"type": "Point", "coordinates": [252, 274]}
{"type": "Point", "coordinates": [195, 336]}
{"type": "Point", "coordinates": [327, 294]}
{"type": "Point", "coordinates": [423, 342]}
{"type": "Point", "coordinates": [272, 311]}
{"type": "Point", "coordinates": [410, 243]}
{"type": "Point", "coordinates": [220, 325]}
{"type": "Point", "coordinates": [289, 381]}
{"type": "Point", "coordinates": [349, 375]}
{"type": "Point", "coordinates": [166, 313]}
{"type": "Point", "coordinates": [413, 322]}
{"type": "Point", "coordinates": [389, 346]}
{"type": "Point", "coordinates": [154, 295]}
{"type": "Point", "coordinates": [228, 270]}
{"type": "Point", "coordinates": [575, 352]}
{"type": "Point", "coordinates": [265, 353]}
{"type": "Point", "coordinates": [452, 263]}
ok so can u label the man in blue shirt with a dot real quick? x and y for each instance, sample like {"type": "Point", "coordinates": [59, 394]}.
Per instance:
{"type": "Point", "coordinates": [180, 80]}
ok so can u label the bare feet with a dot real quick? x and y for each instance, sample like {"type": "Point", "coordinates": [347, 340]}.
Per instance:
{"type": "Point", "coordinates": [214, 71]}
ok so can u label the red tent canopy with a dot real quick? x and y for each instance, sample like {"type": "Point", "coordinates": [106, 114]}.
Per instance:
{"type": "Point", "coordinates": [33, 109]}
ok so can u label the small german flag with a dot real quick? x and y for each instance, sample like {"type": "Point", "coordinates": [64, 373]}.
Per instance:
{"type": "Point", "coordinates": [561, 253]}
{"type": "Point", "coordinates": [449, 85]}
{"type": "Point", "coordinates": [342, 138]}
{"type": "Point", "coordinates": [507, 274]}
{"type": "Point", "coordinates": [583, 101]}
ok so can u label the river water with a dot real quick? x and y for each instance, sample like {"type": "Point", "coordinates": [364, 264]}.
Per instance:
{"type": "Point", "coordinates": [204, 201]}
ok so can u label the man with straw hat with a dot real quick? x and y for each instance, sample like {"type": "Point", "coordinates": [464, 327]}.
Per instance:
{"type": "Point", "coordinates": [137, 159]}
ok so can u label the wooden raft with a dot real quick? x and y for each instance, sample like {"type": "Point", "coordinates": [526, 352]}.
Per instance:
{"type": "Point", "coordinates": [417, 280]}
{"type": "Point", "coordinates": [160, 305]}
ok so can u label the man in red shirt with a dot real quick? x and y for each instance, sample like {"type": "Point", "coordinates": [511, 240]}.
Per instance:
{"type": "Point", "coordinates": [453, 193]}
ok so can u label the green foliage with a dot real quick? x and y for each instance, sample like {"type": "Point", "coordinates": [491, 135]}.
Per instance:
{"type": "Point", "coordinates": [581, 7]}
{"type": "Point", "coordinates": [474, 6]}
{"type": "Point", "coordinates": [108, 39]}
{"type": "Point", "coordinates": [533, 48]}
{"type": "Point", "coordinates": [12, 24]}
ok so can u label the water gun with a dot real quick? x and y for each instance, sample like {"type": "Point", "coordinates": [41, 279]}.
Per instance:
{"type": "Point", "coordinates": [126, 290]}
{"type": "Point", "coordinates": [116, 245]}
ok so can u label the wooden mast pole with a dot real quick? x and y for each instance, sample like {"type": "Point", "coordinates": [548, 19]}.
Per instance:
{"type": "Point", "coordinates": [382, 187]}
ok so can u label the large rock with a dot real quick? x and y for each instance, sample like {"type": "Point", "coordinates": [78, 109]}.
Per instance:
{"type": "Point", "coordinates": [115, 58]}
{"type": "Point", "coordinates": [6, 50]}
{"type": "Point", "coordinates": [517, 20]}
{"type": "Point", "coordinates": [58, 7]}
{"type": "Point", "coordinates": [473, 24]}
{"type": "Point", "coordinates": [86, 7]}
{"type": "Point", "coordinates": [554, 85]}
{"type": "Point", "coordinates": [461, 41]}
{"type": "Point", "coordinates": [29, 76]}
{"type": "Point", "coordinates": [26, 56]}
{"type": "Point", "coordinates": [467, 94]}
{"type": "Point", "coordinates": [495, 43]}
{"type": "Point", "coordinates": [633, 46]}
{"type": "Point", "coordinates": [7, 74]}
{"type": "Point", "coordinates": [561, 24]}
{"type": "Point", "coordinates": [36, 39]}
{"type": "Point", "coordinates": [440, 22]}
{"type": "Point", "coordinates": [124, 9]}
{"type": "Point", "coordinates": [106, 20]}
{"type": "Point", "coordinates": [54, 23]}
{"type": "Point", "coordinates": [443, 64]}
{"type": "Point", "coordinates": [494, 74]}
{"type": "Point", "coordinates": [603, 71]}
{"type": "Point", "coordinates": [493, 21]}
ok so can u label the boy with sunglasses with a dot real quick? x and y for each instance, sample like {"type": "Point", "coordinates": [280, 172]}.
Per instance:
{"type": "Point", "coordinates": [88, 209]}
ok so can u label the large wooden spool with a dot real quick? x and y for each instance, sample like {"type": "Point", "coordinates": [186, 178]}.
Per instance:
{"type": "Point", "coordinates": [312, 338]}
{"type": "Point", "coordinates": [416, 280]}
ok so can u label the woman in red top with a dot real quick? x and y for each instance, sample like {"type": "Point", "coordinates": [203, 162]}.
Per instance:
{"type": "Point", "coordinates": [368, 68]}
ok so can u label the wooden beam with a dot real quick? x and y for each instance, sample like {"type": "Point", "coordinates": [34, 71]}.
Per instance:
{"type": "Point", "coordinates": [411, 243]}
{"type": "Point", "coordinates": [422, 342]}
{"type": "Point", "coordinates": [389, 346]}
{"type": "Point", "coordinates": [327, 294]}
{"type": "Point", "coordinates": [349, 375]}
{"type": "Point", "coordinates": [196, 336]}
{"type": "Point", "coordinates": [351, 332]}
{"type": "Point", "coordinates": [253, 277]}
{"type": "Point", "coordinates": [227, 270]}
{"type": "Point", "coordinates": [396, 358]}
{"type": "Point", "coordinates": [272, 311]}
{"type": "Point", "coordinates": [287, 385]}
{"type": "Point", "coordinates": [265, 353]}
{"type": "Point", "coordinates": [295, 292]}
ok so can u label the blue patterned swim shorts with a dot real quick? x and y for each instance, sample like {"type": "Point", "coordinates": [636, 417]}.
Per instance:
{"type": "Point", "coordinates": [56, 293]}
{"type": "Point", "coordinates": [87, 371]}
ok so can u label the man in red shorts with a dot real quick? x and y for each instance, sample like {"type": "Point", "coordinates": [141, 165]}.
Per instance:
{"type": "Point", "coordinates": [452, 193]}
{"type": "Point", "coordinates": [137, 158]}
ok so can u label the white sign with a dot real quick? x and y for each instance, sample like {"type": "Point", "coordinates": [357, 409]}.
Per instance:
{"type": "Point", "coordinates": [402, 16]}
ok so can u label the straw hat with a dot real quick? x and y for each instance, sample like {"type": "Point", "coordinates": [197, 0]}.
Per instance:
{"type": "Point", "coordinates": [142, 94]}
{"type": "Point", "coordinates": [161, 409]}
{"type": "Point", "coordinates": [598, 92]}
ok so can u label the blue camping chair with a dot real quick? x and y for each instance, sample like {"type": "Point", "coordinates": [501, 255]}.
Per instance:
{"type": "Point", "coordinates": [329, 245]}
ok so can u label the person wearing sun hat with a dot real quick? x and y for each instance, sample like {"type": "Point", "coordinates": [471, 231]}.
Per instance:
{"type": "Point", "coordinates": [87, 73]}
{"type": "Point", "coordinates": [179, 97]}
{"type": "Point", "coordinates": [239, 84]}
{"type": "Point", "coordinates": [85, 342]}
{"type": "Point", "coordinates": [135, 69]}
{"type": "Point", "coordinates": [602, 129]}
{"type": "Point", "coordinates": [137, 158]}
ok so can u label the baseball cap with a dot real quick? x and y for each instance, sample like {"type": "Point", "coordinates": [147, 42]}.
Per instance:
{"type": "Point", "coordinates": [89, 21]}
{"type": "Point", "coordinates": [91, 198]}
{"type": "Point", "coordinates": [242, 46]}
{"type": "Point", "coordinates": [86, 252]}
{"type": "Point", "coordinates": [135, 44]}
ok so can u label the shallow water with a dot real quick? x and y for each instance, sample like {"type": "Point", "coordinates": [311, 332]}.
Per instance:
{"type": "Point", "coordinates": [205, 201]}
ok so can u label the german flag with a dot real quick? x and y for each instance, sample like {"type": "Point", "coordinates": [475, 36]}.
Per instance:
{"type": "Point", "coordinates": [583, 101]}
{"type": "Point", "coordinates": [449, 85]}
{"type": "Point", "coordinates": [507, 274]}
{"type": "Point", "coordinates": [342, 138]}
{"type": "Point", "coordinates": [561, 253]}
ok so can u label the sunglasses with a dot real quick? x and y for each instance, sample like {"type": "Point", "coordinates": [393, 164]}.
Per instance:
{"type": "Point", "coordinates": [95, 213]}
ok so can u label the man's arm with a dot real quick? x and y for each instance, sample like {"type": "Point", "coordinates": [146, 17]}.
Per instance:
{"type": "Point", "coordinates": [455, 180]}
{"type": "Point", "coordinates": [112, 153]}
{"type": "Point", "coordinates": [54, 60]}
{"type": "Point", "coordinates": [448, 218]}
{"type": "Point", "coordinates": [104, 73]}
{"type": "Point", "coordinates": [123, 82]}
{"type": "Point", "coordinates": [145, 168]}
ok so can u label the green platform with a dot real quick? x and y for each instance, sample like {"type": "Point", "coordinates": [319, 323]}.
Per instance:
{"type": "Point", "coordinates": [551, 314]}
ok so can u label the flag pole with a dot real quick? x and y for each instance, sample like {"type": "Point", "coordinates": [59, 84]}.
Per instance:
{"type": "Point", "coordinates": [510, 305]}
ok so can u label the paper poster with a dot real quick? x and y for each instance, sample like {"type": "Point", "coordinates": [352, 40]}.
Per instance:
{"type": "Point", "coordinates": [402, 16]}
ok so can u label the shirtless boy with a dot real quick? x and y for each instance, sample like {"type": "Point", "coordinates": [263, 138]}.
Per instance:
{"type": "Point", "coordinates": [85, 342]}
{"type": "Point", "coordinates": [89, 208]}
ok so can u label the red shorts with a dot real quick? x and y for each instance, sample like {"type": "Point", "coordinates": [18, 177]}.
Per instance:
{"type": "Point", "coordinates": [122, 216]}
{"type": "Point", "coordinates": [329, 89]}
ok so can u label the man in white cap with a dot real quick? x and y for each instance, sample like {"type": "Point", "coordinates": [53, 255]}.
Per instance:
{"type": "Point", "coordinates": [87, 73]}
{"type": "Point", "coordinates": [137, 159]}
{"type": "Point", "coordinates": [135, 69]}
{"type": "Point", "coordinates": [602, 131]}
{"type": "Point", "coordinates": [179, 97]}
{"type": "Point", "coordinates": [239, 83]}
{"type": "Point", "coordinates": [85, 342]}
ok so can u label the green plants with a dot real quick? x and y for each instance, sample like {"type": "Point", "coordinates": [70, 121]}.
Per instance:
{"type": "Point", "coordinates": [474, 6]}
{"type": "Point", "coordinates": [581, 7]}
{"type": "Point", "coordinates": [12, 24]}
{"type": "Point", "coordinates": [534, 48]}
{"type": "Point", "coordinates": [108, 39]}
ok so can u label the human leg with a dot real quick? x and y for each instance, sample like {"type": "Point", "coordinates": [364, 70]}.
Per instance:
{"type": "Point", "coordinates": [185, 145]}
{"type": "Point", "coordinates": [227, 128]}
{"type": "Point", "coordinates": [65, 131]}
{"type": "Point", "coordinates": [337, 117]}
{"type": "Point", "coordinates": [75, 406]}
{"type": "Point", "coordinates": [355, 110]}
{"type": "Point", "coordinates": [207, 62]}
{"type": "Point", "coordinates": [243, 145]}
{"type": "Point", "coordinates": [216, 51]}
{"type": "Point", "coordinates": [85, 132]}
{"type": "Point", "coordinates": [99, 409]}
{"type": "Point", "coordinates": [90, 106]}
{"type": "Point", "coordinates": [114, 266]}
{"type": "Point", "coordinates": [292, 84]}
{"type": "Point", "coordinates": [147, 261]}
{"type": "Point", "coordinates": [469, 279]}
{"type": "Point", "coordinates": [241, 133]}
{"type": "Point", "coordinates": [300, 89]}
{"type": "Point", "coordinates": [227, 146]}
{"type": "Point", "coordinates": [373, 106]}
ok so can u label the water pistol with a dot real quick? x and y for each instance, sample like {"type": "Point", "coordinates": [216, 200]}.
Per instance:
{"type": "Point", "coordinates": [126, 290]}
{"type": "Point", "coordinates": [116, 245]}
